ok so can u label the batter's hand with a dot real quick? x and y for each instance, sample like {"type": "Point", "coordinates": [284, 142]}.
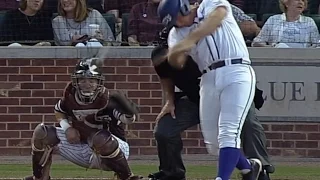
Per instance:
{"type": "Point", "coordinates": [73, 135]}
{"type": "Point", "coordinates": [167, 108]}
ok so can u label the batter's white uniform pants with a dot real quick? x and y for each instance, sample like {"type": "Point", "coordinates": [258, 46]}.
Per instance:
{"type": "Point", "coordinates": [226, 95]}
{"type": "Point", "coordinates": [81, 154]}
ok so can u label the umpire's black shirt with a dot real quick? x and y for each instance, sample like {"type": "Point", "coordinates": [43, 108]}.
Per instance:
{"type": "Point", "coordinates": [186, 79]}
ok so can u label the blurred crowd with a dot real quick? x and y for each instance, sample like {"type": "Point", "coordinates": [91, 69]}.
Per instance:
{"type": "Point", "coordinates": [274, 23]}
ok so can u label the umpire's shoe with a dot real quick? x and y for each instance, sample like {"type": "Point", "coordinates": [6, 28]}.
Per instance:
{"type": "Point", "coordinates": [156, 176]}
{"type": "Point", "coordinates": [162, 176]}
{"type": "Point", "coordinates": [264, 175]}
{"type": "Point", "coordinates": [256, 168]}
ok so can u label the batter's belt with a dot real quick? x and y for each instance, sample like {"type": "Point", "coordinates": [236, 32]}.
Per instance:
{"type": "Point", "coordinates": [222, 63]}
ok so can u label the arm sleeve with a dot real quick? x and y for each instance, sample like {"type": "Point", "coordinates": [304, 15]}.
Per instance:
{"type": "Point", "coordinates": [161, 70]}
{"type": "Point", "coordinates": [239, 15]}
{"type": "Point", "coordinates": [61, 106]}
{"type": "Point", "coordinates": [208, 6]}
{"type": "Point", "coordinates": [59, 31]}
{"type": "Point", "coordinates": [104, 26]}
{"type": "Point", "coordinates": [176, 36]}
{"type": "Point", "coordinates": [162, 67]}
{"type": "Point", "coordinates": [173, 38]}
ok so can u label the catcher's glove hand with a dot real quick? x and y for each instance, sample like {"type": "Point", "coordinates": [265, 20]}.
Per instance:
{"type": "Point", "coordinates": [120, 102]}
{"type": "Point", "coordinates": [120, 108]}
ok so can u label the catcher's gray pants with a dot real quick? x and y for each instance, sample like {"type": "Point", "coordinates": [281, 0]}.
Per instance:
{"type": "Point", "coordinates": [81, 154]}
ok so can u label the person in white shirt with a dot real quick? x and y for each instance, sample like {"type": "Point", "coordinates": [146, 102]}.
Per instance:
{"type": "Point", "coordinates": [211, 36]}
{"type": "Point", "coordinates": [290, 29]}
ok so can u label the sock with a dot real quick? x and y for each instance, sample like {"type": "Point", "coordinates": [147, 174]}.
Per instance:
{"type": "Point", "coordinates": [243, 164]}
{"type": "Point", "coordinates": [228, 159]}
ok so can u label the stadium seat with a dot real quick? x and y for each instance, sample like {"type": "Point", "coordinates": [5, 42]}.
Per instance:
{"type": "Point", "coordinates": [253, 16]}
{"type": "Point", "coordinates": [316, 18]}
{"type": "Point", "coordinates": [2, 15]}
{"type": "Point", "coordinates": [125, 17]}
{"type": "Point", "coordinates": [111, 20]}
{"type": "Point", "coordinates": [54, 15]}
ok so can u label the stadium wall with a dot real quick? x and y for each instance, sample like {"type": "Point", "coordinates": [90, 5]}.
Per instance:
{"type": "Point", "coordinates": [32, 80]}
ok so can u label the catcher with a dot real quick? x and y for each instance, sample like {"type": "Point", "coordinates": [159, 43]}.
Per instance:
{"type": "Point", "coordinates": [92, 121]}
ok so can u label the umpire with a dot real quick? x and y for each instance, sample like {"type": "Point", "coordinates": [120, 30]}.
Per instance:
{"type": "Point", "coordinates": [181, 111]}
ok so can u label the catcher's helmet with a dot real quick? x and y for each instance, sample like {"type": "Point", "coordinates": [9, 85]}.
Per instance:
{"type": "Point", "coordinates": [87, 69]}
{"type": "Point", "coordinates": [168, 11]}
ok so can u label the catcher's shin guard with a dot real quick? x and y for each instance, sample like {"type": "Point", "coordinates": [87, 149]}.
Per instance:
{"type": "Point", "coordinates": [117, 163]}
{"type": "Point", "coordinates": [43, 140]}
{"type": "Point", "coordinates": [111, 156]}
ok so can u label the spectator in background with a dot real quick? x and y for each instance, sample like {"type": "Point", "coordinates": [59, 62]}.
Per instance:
{"type": "Point", "coordinates": [119, 7]}
{"type": "Point", "coordinates": [239, 3]}
{"type": "Point", "coordinates": [28, 23]}
{"type": "Point", "coordinates": [144, 23]}
{"type": "Point", "coordinates": [247, 25]}
{"type": "Point", "coordinates": [8, 4]}
{"type": "Point", "coordinates": [290, 29]}
{"type": "Point", "coordinates": [77, 24]}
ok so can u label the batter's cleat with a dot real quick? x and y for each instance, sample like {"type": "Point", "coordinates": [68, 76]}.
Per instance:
{"type": "Point", "coordinates": [256, 168]}
{"type": "Point", "coordinates": [32, 178]}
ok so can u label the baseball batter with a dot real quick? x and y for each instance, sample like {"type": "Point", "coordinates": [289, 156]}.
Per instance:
{"type": "Point", "coordinates": [211, 36]}
{"type": "Point", "coordinates": [92, 120]}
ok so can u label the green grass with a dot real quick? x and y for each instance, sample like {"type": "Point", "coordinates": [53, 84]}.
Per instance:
{"type": "Point", "coordinates": [291, 172]}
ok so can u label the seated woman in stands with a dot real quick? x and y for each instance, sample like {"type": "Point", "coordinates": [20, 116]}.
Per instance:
{"type": "Point", "coordinates": [28, 25]}
{"type": "Point", "coordinates": [144, 24]}
{"type": "Point", "coordinates": [290, 29]}
{"type": "Point", "coordinates": [77, 24]}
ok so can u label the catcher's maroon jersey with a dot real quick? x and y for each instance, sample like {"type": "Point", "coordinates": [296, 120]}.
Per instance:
{"type": "Point", "coordinates": [83, 115]}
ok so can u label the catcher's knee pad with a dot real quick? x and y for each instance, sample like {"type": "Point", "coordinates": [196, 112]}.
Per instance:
{"type": "Point", "coordinates": [104, 144]}
{"type": "Point", "coordinates": [44, 138]}
{"type": "Point", "coordinates": [111, 156]}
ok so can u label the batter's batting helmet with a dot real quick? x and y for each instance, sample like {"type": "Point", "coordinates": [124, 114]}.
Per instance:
{"type": "Point", "coordinates": [168, 10]}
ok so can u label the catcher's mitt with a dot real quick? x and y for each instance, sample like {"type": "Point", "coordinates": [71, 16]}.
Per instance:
{"type": "Point", "coordinates": [118, 100]}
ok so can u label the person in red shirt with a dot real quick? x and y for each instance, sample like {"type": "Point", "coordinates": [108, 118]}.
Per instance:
{"type": "Point", "coordinates": [144, 24]}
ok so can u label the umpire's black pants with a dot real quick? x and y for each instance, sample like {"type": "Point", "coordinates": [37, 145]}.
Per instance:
{"type": "Point", "coordinates": [169, 143]}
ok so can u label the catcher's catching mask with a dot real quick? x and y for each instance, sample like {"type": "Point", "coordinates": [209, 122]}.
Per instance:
{"type": "Point", "coordinates": [87, 80]}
